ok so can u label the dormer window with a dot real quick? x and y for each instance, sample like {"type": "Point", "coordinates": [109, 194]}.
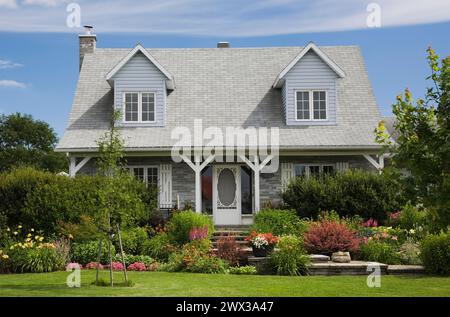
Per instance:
{"type": "Point", "coordinates": [139, 106]}
{"type": "Point", "coordinates": [311, 105]}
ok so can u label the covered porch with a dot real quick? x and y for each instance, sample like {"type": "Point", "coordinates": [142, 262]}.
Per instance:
{"type": "Point", "coordinates": [231, 192]}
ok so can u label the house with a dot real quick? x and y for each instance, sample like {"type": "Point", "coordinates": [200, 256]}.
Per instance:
{"type": "Point", "coordinates": [319, 100]}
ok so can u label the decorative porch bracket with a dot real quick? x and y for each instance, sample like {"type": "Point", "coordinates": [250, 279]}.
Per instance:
{"type": "Point", "coordinates": [197, 166]}
{"type": "Point", "coordinates": [74, 167]}
{"type": "Point", "coordinates": [378, 165]}
{"type": "Point", "coordinates": [256, 167]}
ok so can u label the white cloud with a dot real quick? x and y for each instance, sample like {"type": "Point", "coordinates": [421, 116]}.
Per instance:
{"type": "Point", "coordinates": [8, 83]}
{"type": "Point", "coordinates": [5, 64]}
{"type": "Point", "coordinates": [222, 18]}
{"type": "Point", "coordinates": [10, 4]}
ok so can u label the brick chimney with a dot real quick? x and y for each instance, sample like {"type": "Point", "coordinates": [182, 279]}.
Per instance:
{"type": "Point", "coordinates": [88, 43]}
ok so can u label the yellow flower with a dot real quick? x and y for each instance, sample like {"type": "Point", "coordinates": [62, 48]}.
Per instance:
{"type": "Point", "coordinates": [7, 229]}
{"type": "Point", "coordinates": [70, 236]}
{"type": "Point", "coordinates": [29, 235]}
{"type": "Point", "coordinates": [15, 233]}
{"type": "Point", "coordinates": [41, 239]}
{"type": "Point", "coordinates": [36, 237]}
{"type": "Point", "coordinates": [5, 256]}
{"type": "Point", "coordinates": [32, 230]}
{"type": "Point", "coordinates": [19, 227]}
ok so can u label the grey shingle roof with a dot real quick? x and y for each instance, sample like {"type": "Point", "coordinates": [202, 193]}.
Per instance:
{"type": "Point", "coordinates": [224, 87]}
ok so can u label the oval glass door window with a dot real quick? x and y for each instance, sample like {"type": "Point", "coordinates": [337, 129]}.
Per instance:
{"type": "Point", "coordinates": [226, 187]}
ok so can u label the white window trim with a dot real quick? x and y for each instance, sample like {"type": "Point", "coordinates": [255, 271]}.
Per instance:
{"type": "Point", "coordinates": [311, 105]}
{"type": "Point", "coordinates": [307, 166]}
{"type": "Point", "coordinates": [139, 106]}
{"type": "Point", "coordinates": [145, 167]}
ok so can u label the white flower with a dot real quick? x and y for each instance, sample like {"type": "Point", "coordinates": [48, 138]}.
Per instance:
{"type": "Point", "coordinates": [260, 242]}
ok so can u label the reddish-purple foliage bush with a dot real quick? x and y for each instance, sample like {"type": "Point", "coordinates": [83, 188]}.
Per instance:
{"type": "Point", "coordinates": [197, 233]}
{"type": "Point", "coordinates": [93, 265]}
{"type": "Point", "coordinates": [228, 249]}
{"type": "Point", "coordinates": [327, 237]}
{"type": "Point", "coordinates": [137, 266]}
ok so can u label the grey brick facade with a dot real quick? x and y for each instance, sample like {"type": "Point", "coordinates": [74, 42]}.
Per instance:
{"type": "Point", "coordinates": [183, 177]}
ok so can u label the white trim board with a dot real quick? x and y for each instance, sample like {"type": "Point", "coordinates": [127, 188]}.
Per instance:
{"type": "Point", "coordinates": [170, 83]}
{"type": "Point", "coordinates": [311, 46]}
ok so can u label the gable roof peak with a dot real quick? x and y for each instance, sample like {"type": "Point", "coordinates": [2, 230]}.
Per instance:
{"type": "Point", "coordinates": [170, 83]}
{"type": "Point", "coordinates": [310, 46]}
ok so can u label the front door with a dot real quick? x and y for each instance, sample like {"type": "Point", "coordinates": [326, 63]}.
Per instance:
{"type": "Point", "coordinates": [226, 197]}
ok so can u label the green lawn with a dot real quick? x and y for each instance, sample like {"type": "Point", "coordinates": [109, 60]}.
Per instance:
{"type": "Point", "coordinates": [185, 284]}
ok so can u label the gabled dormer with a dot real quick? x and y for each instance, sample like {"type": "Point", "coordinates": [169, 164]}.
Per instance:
{"type": "Point", "coordinates": [140, 86]}
{"type": "Point", "coordinates": [309, 88]}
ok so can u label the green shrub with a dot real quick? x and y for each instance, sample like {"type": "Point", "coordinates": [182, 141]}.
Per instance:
{"type": "Point", "coordinates": [290, 258]}
{"type": "Point", "coordinates": [159, 247]}
{"type": "Point", "coordinates": [133, 240]}
{"type": "Point", "coordinates": [278, 222]}
{"type": "Point", "coordinates": [409, 253]}
{"type": "Point", "coordinates": [35, 260]}
{"type": "Point", "coordinates": [130, 259]}
{"type": "Point", "coordinates": [83, 231]}
{"type": "Point", "coordinates": [14, 189]}
{"type": "Point", "coordinates": [87, 252]}
{"type": "Point", "coordinates": [435, 253]}
{"type": "Point", "coordinates": [181, 224]}
{"type": "Point", "coordinates": [43, 200]}
{"type": "Point", "coordinates": [349, 193]}
{"type": "Point", "coordinates": [376, 251]}
{"type": "Point", "coordinates": [411, 217]}
{"type": "Point", "coordinates": [243, 270]}
{"type": "Point", "coordinates": [194, 260]}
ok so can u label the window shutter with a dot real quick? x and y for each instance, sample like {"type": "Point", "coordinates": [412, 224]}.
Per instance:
{"type": "Point", "coordinates": [165, 184]}
{"type": "Point", "coordinates": [287, 172]}
{"type": "Point", "coordinates": [341, 166]}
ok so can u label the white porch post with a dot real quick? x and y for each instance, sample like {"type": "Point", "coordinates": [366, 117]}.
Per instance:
{"type": "Point", "coordinates": [74, 167]}
{"type": "Point", "coordinates": [257, 168]}
{"type": "Point", "coordinates": [197, 167]}
{"type": "Point", "coordinates": [257, 193]}
{"type": "Point", "coordinates": [378, 165]}
{"type": "Point", "coordinates": [198, 185]}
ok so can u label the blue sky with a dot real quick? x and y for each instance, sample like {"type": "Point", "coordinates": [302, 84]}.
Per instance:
{"type": "Point", "coordinates": [39, 53]}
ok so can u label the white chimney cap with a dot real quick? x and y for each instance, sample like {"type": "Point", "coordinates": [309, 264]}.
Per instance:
{"type": "Point", "coordinates": [88, 29]}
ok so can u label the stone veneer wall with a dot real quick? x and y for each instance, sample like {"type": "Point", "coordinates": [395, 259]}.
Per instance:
{"type": "Point", "coordinates": [183, 178]}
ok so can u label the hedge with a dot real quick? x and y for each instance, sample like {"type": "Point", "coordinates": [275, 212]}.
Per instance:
{"type": "Point", "coordinates": [349, 193]}
{"type": "Point", "coordinates": [42, 200]}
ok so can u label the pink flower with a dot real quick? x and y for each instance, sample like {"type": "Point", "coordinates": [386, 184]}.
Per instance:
{"type": "Point", "coordinates": [395, 215]}
{"type": "Point", "coordinates": [394, 238]}
{"type": "Point", "coordinates": [116, 266]}
{"type": "Point", "coordinates": [197, 233]}
{"type": "Point", "coordinates": [93, 265]}
{"type": "Point", "coordinates": [73, 266]}
{"type": "Point", "coordinates": [371, 223]}
{"type": "Point", "coordinates": [137, 266]}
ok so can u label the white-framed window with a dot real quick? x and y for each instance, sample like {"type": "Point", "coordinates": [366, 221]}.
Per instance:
{"type": "Point", "coordinates": [139, 106]}
{"type": "Point", "coordinates": [313, 169]}
{"type": "Point", "coordinates": [311, 105]}
{"type": "Point", "coordinates": [148, 174]}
